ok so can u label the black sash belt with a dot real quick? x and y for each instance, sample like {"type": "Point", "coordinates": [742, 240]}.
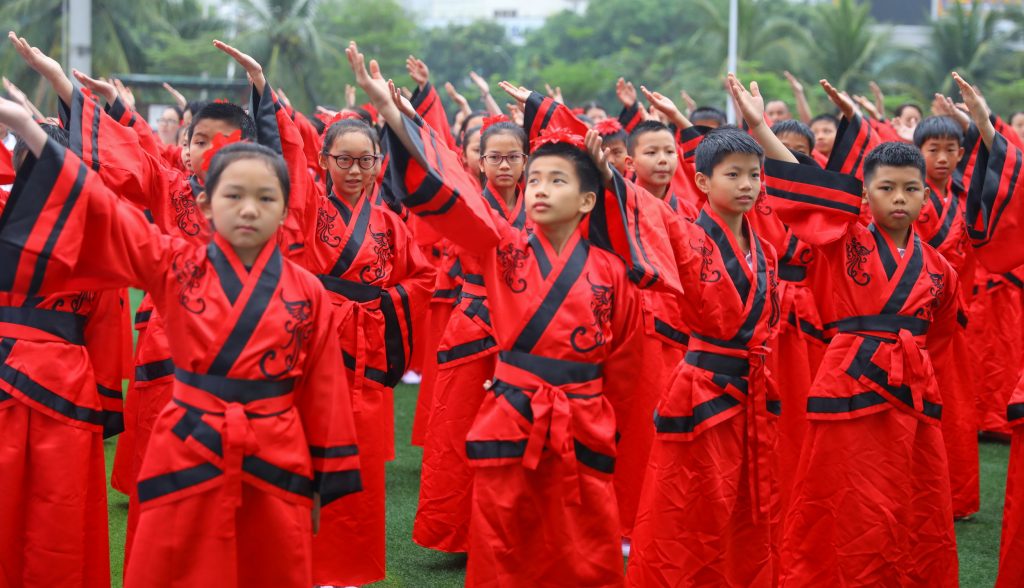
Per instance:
{"type": "Point", "coordinates": [65, 325]}
{"type": "Point", "coordinates": [885, 323]}
{"type": "Point", "coordinates": [233, 390]}
{"type": "Point", "coordinates": [792, 273]}
{"type": "Point", "coordinates": [349, 289]}
{"type": "Point", "coordinates": [557, 372]}
{"type": "Point", "coordinates": [720, 364]}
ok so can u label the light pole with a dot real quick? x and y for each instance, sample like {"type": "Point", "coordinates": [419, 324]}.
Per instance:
{"type": "Point", "coordinates": [734, 16]}
{"type": "Point", "coordinates": [78, 35]}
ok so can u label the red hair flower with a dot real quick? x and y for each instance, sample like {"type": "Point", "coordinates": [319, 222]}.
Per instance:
{"type": "Point", "coordinates": [217, 143]}
{"type": "Point", "coordinates": [493, 120]}
{"type": "Point", "coordinates": [343, 115]}
{"type": "Point", "coordinates": [554, 135]}
{"type": "Point", "coordinates": [608, 126]}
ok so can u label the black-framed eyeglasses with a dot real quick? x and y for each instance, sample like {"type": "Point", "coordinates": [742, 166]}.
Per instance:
{"type": "Point", "coordinates": [365, 161]}
{"type": "Point", "coordinates": [511, 158]}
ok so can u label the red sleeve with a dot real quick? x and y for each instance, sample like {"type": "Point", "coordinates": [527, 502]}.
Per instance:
{"type": "Point", "coordinates": [430, 108]}
{"type": "Point", "coordinates": [630, 117]}
{"type": "Point", "coordinates": [442, 193]}
{"type": "Point", "coordinates": [886, 132]}
{"type": "Point", "coordinates": [116, 152]}
{"type": "Point", "coordinates": [324, 403]}
{"type": "Point", "coordinates": [818, 205]}
{"type": "Point", "coordinates": [1007, 131]}
{"type": "Point", "coordinates": [627, 335]}
{"type": "Point", "coordinates": [63, 229]}
{"type": "Point", "coordinates": [995, 206]}
{"type": "Point", "coordinates": [636, 232]}
{"type": "Point", "coordinates": [854, 139]}
{"type": "Point", "coordinates": [542, 112]}
{"type": "Point", "coordinates": [310, 142]}
{"type": "Point", "coordinates": [406, 301]}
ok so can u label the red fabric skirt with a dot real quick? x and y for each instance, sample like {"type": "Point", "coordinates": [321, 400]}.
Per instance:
{"type": "Point", "coordinates": [636, 425]}
{"type": "Point", "coordinates": [1011, 543]}
{"type": "Point", "coordinates": [197, 541]}
{"type": "Point", "coordinates": [524, 533]}
{"type": "Point", "coordinates": [436, 321]}
{"type": "Point", "coordinates": [871, 506]}
{"type": "Point", "coordinates": [960, 426]}
{"type": "Point", "coordinates": [53, 502]}
{"type": "Point", "coordinates": [446, 480]}
{"type": "Point", "coordinates": [695, 526]}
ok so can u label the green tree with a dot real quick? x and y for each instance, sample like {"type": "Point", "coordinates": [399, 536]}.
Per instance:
{"type": "Point", "coordinates": [846, 43]}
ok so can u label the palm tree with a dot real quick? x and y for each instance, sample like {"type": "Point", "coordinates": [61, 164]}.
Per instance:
{"type": "Point", "coordinates": [971, 42]}
{"type": "Point", "coordinates": [765, 33]}
{"type": "Point", "coordinates": [282, 36]}
{"type": "Point", "coordinates": [846, 43]}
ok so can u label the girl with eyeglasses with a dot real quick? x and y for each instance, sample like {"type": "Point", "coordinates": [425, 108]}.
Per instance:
{"type": "Point", "coordinates": [365, 256]}
{"type": "Point", "coordinates": [466, 356]}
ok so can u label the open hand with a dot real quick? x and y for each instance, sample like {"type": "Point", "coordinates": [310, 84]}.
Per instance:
{"type": "Point", "coordinates": [974, 101]}
{"type": "Point", "coordinates": [749, 103]}
{"type": "Point", "coordinates": [794, 83]}
{"type": "Point", "coordinates": [595, 148]}
{"type": "Point", "coordinates": [842, 100]}
{"type": "Point", "coordinates": [400, 101]}
{"type": "Point", "coordinates": [99, 87]}
{"type": "Point", "coordinates": [418, 71]}
{"type": "Point", "coordinates": [371, 81]}
{"type": "Point", "coordinates": [457, 98]}
{"type": "Point", "coordinates": [485, 88]}
{"type": "Point", "coordinates": [252, 67]}
{"type": "Point", "coordinates": [519, 93]}
{"type": "Point", "coordinates": [625, 92]}
{"type": "Point", "coordinates": [555, 93]}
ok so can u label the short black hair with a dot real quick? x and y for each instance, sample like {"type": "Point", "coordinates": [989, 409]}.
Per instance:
{"type": "Point", "coordinates": [618, 136]}
{"type": "Point", "coordinates": [893, 154]}
{"type": "Point", "coordinates": [722, 142]}
{"type": "Point", "coordinates": [232, 114]}
{"type": "Point", "coordinates": [504, 128]}
{"type": "Point", "coordinates": [346, 126]}
{"type": "Point", "coordinates": [795, 127]}
{"type": "Point", "coordinates": [937, 127]}
{"type": "Point", "coordinates": [643, 128]}
{"type": "Point", "coordinates": [21, 152]}
{"type": "Point", "coordinates": [464, 131]}
{"type": "Point", "coordinates": [194, 106]}
{"type": "Point", "coordinates": [709, 113]}
{"type": "Point", "coordinates": [825, 117]}
{"type": "Point", "coordinates": [589, 175]}
{"type": "Point", "coordinates": [906, 105]}
{"type": "Point", "coordinates": [239, 151]}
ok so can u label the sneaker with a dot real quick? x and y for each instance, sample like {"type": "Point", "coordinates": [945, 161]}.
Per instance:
{"type": "Point", "coordinates": [411, 377]}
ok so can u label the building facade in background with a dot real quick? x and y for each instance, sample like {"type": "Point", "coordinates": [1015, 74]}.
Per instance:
{"type": "Point", "coordinates": [517, 16]}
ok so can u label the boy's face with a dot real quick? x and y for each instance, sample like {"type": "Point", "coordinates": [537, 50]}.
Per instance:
{"type": "Point", "coordinates": [895, 196]}
{"type": "Point", "coordinates": [777, 110]}
{"type": "Point", "coordinates": [824, 136]}
{"type": "Point", "coordinates": [734, 184]}
{"type": "Point", "coordinates": [202, 139]}
{"type": "Point", "coordinates": [553, 193]}
{"type": "Point", "coordinates": [941, 157]}
{"type": "Point", "coordinates": [795, 142]}
{"type": "Point", "coordinates": [246, 207]}
{"type": "Point", "coordinates": [617, 155]}
{"type": "Point", "coordinates": [654, 159]}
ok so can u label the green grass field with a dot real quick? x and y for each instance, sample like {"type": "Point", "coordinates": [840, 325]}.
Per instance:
{"type": "Point", "coordinates": [411, 565]}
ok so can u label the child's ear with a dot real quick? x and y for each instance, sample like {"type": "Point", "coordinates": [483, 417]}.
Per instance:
{"type": "Point", "coordinates": [629, 162]}
{"type": "Point", "coordinates": [588, 203]}
{"type": "Point", "coordinates": [203, 201]}
{"type": "Point", "coordinates": [703, 182]}
{"type": "Point", "coordinates": [322, 160]}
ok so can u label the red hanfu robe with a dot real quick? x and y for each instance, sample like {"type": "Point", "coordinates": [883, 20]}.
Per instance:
{"type": "Point", "coordinates": [871, 500]}
{"type": "Point", "coordinates": [708, 501]}
{"type": "Point", "coordinates": [994, 219]}
{"type": "Point", "coordinates": [466, 356]}
{"type": "Point", "coordinates": [365, 257]}
{"type": "Point", "coordinates": [996, 349]}
{"type": "Point", "coordinates": [261, 416]}
{"type": "Point", "coordinates": [60, 396]}
{"type": "Point", "coordinates": [543, 442]}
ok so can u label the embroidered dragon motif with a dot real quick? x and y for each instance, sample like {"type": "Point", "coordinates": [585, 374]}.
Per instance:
{"type": "Point", "coordinates": [761, 204]}
{"type": "Point", "coordinates": [512, 260]}
{"type": "Point", "coordinates": [75, 302]}
{"type": "Point", "coordinates": [773, 295]}
{"type": "Point", "coordinates": [185, 213]}
{"type": "Point", "coordinates": [705, 249]}
{"type": "Point", "coordinates": [189, 274]}
{"type": "Point", "coordinates": [384, 251]}
{"type": "Point", "coordinates": [856, 256]}
{"type": "Point", "coordinates": [324, 226]}
{"type": "Point", "coordinates": [298, 328]}
{"type": "Point", "coordinates": [602, 299]}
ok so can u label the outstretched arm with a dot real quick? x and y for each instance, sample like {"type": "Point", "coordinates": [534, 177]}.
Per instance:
{"type": "Point", "coordinates": [751, 105]}
{"type": "Point", "coordinates": [802, 107]}
{"type": "Point", "coordinates": [485, 93]}
{"type": "Point", "coordinates": [978, 109]}
{"type": "Point", "coordinates": [44, 65]}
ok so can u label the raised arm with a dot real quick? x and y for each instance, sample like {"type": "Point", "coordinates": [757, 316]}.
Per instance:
{"type": "Point", "coordinates": [485, 93]}
{"type": "Point", "coordinates": [44, 65]}
{"type": "Point", "coordinates": [803, 109]}
{"type": "Point", "coordinates": [751, 106]}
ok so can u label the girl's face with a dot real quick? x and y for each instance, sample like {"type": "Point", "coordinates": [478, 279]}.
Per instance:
{"type": "Point", "coordinates": [503, 160]}
{"type": "Point", "coordinates": [246, 207]}
{"type": "Point", "coordinates": [345, 161]}
{"type": "Point", "coordinates": [472, 151]}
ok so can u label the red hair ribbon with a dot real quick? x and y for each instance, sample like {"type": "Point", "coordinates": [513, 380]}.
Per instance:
{"type": "Point", "coordinates": [493, 120]}
{"type": "Point", "coordinates": [218, 142]}
{"type": "Point", "coordinates": [219, 101]}
{"type": "Point", "coordinates": [343, 115]}
{"type": "Point", "coordinates": [554, 135]}
{"type": "Point", "coordinates": [608, 126]}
